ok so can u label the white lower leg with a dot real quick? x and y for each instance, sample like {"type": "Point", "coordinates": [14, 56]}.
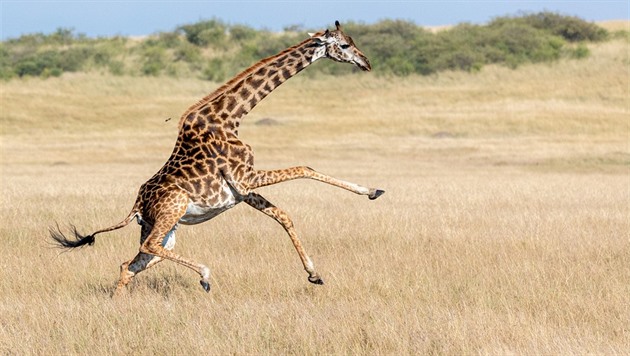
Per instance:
{"type": "Point", "coordinates": [205, 277]}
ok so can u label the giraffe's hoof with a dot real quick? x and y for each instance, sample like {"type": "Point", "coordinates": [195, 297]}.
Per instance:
{"type": "Point", "coordinates": [375, 193]}
{"type": "Point", "coordinates": [205, 285]}
{"type": "Point", "coordinates": [316, 280]}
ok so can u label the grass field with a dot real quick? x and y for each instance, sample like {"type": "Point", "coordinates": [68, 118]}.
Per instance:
{"type": "Point", "coordinates": [504, 229]}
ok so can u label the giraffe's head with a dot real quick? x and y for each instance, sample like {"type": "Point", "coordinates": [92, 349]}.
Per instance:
{"type": "Point", "coordinates": [339, 47]}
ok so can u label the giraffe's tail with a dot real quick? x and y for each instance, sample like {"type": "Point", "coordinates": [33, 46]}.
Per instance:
{"type": "Point", "coordinates": [60, 239]}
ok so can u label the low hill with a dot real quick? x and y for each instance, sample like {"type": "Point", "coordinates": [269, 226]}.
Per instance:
{"type": "Point", "coordinates": [214, 50]}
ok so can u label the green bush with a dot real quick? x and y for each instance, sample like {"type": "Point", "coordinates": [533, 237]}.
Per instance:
{"type": "Point", "coordinates": [187, 52]}
{"type": "Point", "coordinates": [269, 44]}
{"type": "Point", "coordinates": [206, 33]}
{"type": "Point", "coordinates": [388, 44]}
{"type": "Point", "coordinates": [520, 44]}
{"type": "Point", "coordinates": [242, 33]}
{"type": "Point", "coordinates": [74, 58]}
{"type": "Point", "coordinates": [45, 64]}
{"type": "Point", "coordinates": [116, 67]}
{"type": "Point", "coordinates": [571, 28]}
{"type": "Point", "coordinates": [579, 52]}
{"type": "Point", "coordinates": [168, 39]}
{"type": "Point", "coordinates": [63, 36]}
{"type": "Point", "coordinates": [6, 67]}
{"type": "Point", "coordinates": [154, 61]}
{"type": "Point", "coordinates": [214, 50]}
{"type": "Point", "coordinates": [215, 70]}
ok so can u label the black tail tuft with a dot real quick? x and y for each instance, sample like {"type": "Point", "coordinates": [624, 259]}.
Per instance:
{"type": "Point", "coordinates": [63, 242]}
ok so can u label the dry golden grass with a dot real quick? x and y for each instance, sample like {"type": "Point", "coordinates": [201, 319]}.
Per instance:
{"type": "Point", "coordinates": [615, 25]}
{"type": "Point", "coordinates": [504, 229]}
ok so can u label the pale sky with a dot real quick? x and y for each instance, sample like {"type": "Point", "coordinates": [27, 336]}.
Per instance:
{"type": "Point", "coordinates": [133, 18]}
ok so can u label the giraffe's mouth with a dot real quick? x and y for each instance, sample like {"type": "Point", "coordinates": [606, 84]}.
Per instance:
{"type": "Point", "coordinates": [363, 67]}
{"type": "Point", "coordinates": [362, 63]}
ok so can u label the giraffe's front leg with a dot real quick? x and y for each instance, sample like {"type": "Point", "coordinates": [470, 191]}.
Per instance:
{"type": "Point", "coordinates": [244, 179]}
{"type": "Point", "coordinates": [259, 203]}
{"type": "Point", "coordinates": [263, 177]}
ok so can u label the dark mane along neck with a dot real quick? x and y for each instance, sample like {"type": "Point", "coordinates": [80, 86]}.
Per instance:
{"type": "Point", "coordinates": [229, 103]}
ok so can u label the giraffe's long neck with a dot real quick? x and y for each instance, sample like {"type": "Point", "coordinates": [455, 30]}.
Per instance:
{"type": "Point", "coordinates": [224, 108]}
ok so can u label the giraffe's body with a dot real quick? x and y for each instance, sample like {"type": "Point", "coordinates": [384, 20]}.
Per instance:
{"type": "Point", "coordinates": [211, 170]}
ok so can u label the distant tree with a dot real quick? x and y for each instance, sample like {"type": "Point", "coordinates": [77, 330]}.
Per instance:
{"type": "Point", "coordinates": [206, 33]}
{"type": "Point", "coordinates": [570, 28]}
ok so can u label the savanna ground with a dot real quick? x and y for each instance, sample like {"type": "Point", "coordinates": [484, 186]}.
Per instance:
{"type": "Point", "coordinates": [504, 229]}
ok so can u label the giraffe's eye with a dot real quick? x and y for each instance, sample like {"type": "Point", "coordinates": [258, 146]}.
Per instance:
{"type": "Point", "coordinates": [345, 46]}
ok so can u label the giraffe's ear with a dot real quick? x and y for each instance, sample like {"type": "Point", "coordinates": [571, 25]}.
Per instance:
{"type": "Point", "coordinates": [318, 40]}
{"type": "Point", "coordinates": [321, 39]}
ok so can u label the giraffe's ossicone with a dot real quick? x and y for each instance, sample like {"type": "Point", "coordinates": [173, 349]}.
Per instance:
{"type": "Point", "coordinates": [211, 169]}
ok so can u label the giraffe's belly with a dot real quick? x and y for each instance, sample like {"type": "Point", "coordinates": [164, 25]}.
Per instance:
{"type": "Point", "coordinates": [198, 212]}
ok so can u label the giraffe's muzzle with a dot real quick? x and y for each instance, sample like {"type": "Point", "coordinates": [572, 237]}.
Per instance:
{"type": "Point", "coordinates": [363, 63]}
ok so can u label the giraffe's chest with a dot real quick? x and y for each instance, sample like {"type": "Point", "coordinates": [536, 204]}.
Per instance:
{"type": "Point", "coordinates": [202, 210]}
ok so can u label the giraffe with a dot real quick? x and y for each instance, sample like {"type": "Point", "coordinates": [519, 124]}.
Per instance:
{"type": "Point", "coordinates": [211, 170]}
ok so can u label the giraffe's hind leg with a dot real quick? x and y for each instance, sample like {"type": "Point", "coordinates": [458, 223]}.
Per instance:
{"type": "Point", "coordinates": [142, 261]}
{"type": "Point", "coordinates": [258, 202]}
{"type": "Point", "coordinates": [131, 268]}
{"type": "Point", "coordinates": [164, 222]}
{"type": "Point", "coordinates": [153, 246]}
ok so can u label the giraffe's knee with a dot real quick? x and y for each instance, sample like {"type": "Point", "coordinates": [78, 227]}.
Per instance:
{"type": "Point", "coordinates": [150, 247]}
{"type": "Point", "coordinates": [155, 246]}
